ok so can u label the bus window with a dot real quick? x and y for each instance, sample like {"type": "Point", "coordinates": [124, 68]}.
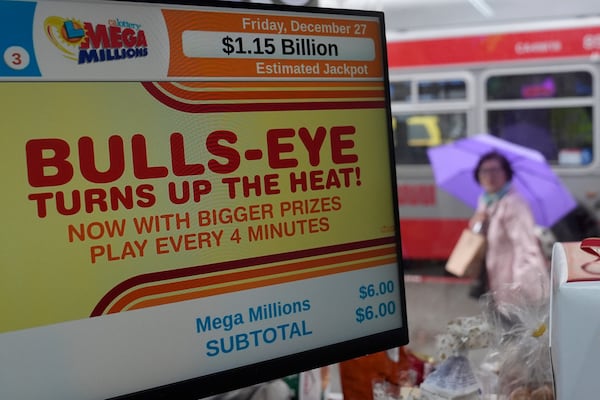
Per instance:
{"type": "Point", "coordinates": [541, 85]}
{"type": "Point", "coordinates": [562, 134]}
{"type": "Point", "coordinates": [442, 90]}
{"type": "Point", "coordinates": [413, 134]}
{"type": "Point", "coordinates": [400, 91]}
{"type": "Point", "coordinates": [422, 131]}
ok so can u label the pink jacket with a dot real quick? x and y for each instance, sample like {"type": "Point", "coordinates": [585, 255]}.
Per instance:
{"type": "Point", "coordinates": [513, 252]}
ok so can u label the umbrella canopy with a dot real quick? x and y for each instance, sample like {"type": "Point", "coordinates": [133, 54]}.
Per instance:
{"type": "Point", "coordinates": [453, 165]}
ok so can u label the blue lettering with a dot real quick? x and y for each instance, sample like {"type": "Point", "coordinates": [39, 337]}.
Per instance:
{"type": "Point", "coordinates": [203, 326]}
{"type": "Point", "coordinates": [272, 332]}
{"type": "Point", "coordinates": [255, 314]}
{"type": "Point", "coordinates": [295, 331]}
{"type": "Point", "coordinates": [255, 338]}
{"type": "Point", "coordinates": [306, 305]}
{"type": "Point", "coordinates": [87, 56]}
{"type": "Point", "coordinates": [304, 330]}
{"type": "Point", "coordinates": [98, 55]}
{"type": "Point", "coordinates": [282, 329]}
{"type": "Point", "coordinates": [231, 345]}
{"type": "Point", "coordinates": [241, 341]}
{"type": "Point", "coordinates": [226, 322]}
{"type": "Point", "coordinates": [214, 346]}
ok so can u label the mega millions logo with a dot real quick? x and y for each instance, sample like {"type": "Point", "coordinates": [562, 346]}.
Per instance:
{"type": "Point", "coordinates": [89, 43]}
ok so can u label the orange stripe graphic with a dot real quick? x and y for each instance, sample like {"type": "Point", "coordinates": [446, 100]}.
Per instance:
{"type": "Point", "coordinates": [291, 271]}
{"type": "Point", "coordinates": [183, 93]}
{"type": "Point", "coordinates": [256, 284]}
{"type": "Point", "coordinates": [190, 93]}
{"type": "Point", "coordinates": [277, 84]}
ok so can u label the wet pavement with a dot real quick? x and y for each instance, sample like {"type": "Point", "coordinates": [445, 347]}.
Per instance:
{"type": "Point", "coordinates": [431, 302]}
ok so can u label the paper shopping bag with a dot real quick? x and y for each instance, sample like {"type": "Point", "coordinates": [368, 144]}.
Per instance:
{"type": "Point", "coordinates": [466, 259]}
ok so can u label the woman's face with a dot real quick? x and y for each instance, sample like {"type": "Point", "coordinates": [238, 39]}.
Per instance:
{"type": "Point", "coordinates": [492, 176]}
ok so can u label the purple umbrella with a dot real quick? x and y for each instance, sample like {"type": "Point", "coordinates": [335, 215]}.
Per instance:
{"type": "Point", "coordinates": [453, 165]}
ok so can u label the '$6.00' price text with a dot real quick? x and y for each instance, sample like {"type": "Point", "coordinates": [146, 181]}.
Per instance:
{"type": "Point", "coordinates": [372, 290]}
{"type": "Point", "coordinates": [382, 310]}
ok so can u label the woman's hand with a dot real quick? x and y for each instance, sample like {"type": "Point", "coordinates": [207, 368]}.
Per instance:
{"type": "Point", "coordinates": [477, 221]}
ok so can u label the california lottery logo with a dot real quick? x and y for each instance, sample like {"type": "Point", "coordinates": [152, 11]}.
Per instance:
{"type": "Point", "coordinates": [89, 43]}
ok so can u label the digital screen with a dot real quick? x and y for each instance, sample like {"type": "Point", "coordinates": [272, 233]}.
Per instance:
{"type": "Point", "coordinates": [197, 198]}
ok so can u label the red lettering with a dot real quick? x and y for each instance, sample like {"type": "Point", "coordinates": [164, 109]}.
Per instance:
{"type": "Point", "coordinates": [87, 163]}
{"type": "Point", "coordinates": [128, 37]}
{"type": "Point", "coordinates": [38, 164]}
{"type": "Point", "coordinates": [70, 203]}
{"type": "Point", "coordinates": [338, 145]}
{"type": "Point", "coordinates": [333, 179]}
{"type": "Point", "coordinates": [48, 161]}
{"type": "Point", "coordinates": [272, 184]}
{"type": "Point", "coordinates": [298, 182]}
{"type": "Point", "coordinates": [95, 197]}
{"type": "Point", "coordinates": [40, 200]}
{"type": "Point", "coordinates": [230, 154]}
{"type": "Point", "coordinates": [275, 148]}
{"type": "Point", "coordinates": [141, 39]}
{"type": "Point", "coordinates": [96, 252]}
{"type": "Point", "coordinates": [316, 180]}
{"type": "Point", "coordinates": [97, 39]}
{"type": "Point", "coordinates": [180, 167]}
{"type": "Point", "coordinates": [115, 37]}
{"type": "Point", "coordinates": [146, 196]}
{"type": "Point", "coordinates": [313, 145]}
{"type": "Point", "coordinates": [141, 170]}
{"type": "Point", "coordinates": [63, 208]}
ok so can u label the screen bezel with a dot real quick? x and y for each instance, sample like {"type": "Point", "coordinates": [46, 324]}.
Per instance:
{"type": "Point", "coordinates": [263, 371]}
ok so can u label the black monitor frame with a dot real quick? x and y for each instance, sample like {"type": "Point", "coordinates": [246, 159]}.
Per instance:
{"type": "Point", "coordinates": [293, 363]}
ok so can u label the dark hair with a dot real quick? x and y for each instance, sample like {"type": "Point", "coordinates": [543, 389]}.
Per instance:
{"type": "Point", "coordinates": [494, 155]}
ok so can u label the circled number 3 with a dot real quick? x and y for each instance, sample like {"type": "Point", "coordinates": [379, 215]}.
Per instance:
{"type": "Point", "coordinates": [16, 57]}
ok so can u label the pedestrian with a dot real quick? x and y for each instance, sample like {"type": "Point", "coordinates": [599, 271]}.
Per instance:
{"type": "Point", "coordinates": [513, 253]}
